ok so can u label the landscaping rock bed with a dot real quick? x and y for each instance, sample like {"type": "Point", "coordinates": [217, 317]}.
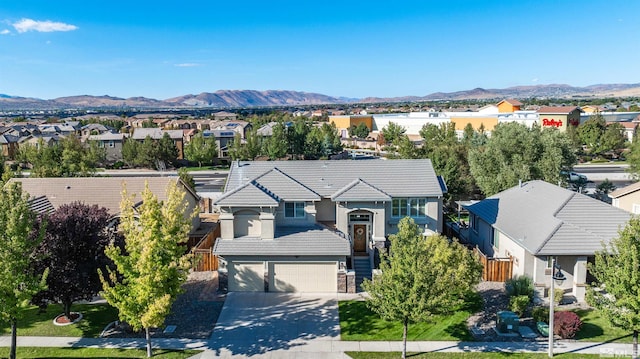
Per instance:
{"type": "Point", "coordinates": [194, 313]}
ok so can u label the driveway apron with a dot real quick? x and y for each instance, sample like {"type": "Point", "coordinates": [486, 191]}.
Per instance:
{"type": "Point", "coordinates": [252, 324]}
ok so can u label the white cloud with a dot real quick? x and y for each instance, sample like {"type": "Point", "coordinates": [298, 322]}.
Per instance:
{"type": "Point", "coordinates": [25, 25]}
{"type": "Point", "coordinates": [187, 64]}
{"type": "Point", "coordinates": [5, 32]}
{"type": "Point", "coordinates": [534, 80]}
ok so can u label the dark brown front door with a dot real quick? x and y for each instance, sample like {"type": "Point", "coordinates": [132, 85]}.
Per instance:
{"type": "Point", "coordinates": [359, 237]}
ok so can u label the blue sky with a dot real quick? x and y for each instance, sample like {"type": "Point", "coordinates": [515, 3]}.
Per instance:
{"type": "Point", "coordinates": [163, 49]}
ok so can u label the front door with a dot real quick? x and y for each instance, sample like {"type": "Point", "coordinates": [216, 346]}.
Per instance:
{"type": "Point", "coordinates": [360, 238]}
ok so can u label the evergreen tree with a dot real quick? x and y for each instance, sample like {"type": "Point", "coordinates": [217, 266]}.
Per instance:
{"type": "Point", "coordinates": [276, 146]}
{"type": "Point", "coordinates": [167, 150]}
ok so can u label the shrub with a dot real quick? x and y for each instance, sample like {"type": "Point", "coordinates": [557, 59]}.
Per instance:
{"type": "Point", "coordinates": [520, 285]}
{"type": "Point", "coordinates": [540, 314]}
{"type": "Point", "coordinates": [519, 304]}
{"type": "Point", "coordinates": [566, 324]}
{"type": "Point", "coordinates": [557, 296]}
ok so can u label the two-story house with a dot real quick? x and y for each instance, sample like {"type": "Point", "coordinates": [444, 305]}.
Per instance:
{"type": "Point", "coordinates": [298, 226]}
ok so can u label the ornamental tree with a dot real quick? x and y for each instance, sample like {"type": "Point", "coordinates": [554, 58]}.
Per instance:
{"type": "Point", "coordinates": [73, 251]}
{"type": "Point", "coordinates": [201, 149]}
{"type": "Point", "coordinates": [152, 267]}
{"type": "Point", "coordinates": [421, 277]}
{"type": "Point", "coordinates": [617, 269]}
{"type": "Point", "coordinates": [18, 281]}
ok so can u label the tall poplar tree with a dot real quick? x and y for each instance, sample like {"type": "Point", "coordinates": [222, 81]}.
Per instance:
{"type": "Point", "coordinates": [617, 268]}
{"type": "Point", "coordinates": [151, 269]}
{"type": "Point", "coordinates": [421, 277]}
{"type": "Point", "coordinates": [18, 282]}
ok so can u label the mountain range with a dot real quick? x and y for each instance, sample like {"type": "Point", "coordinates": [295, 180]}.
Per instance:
{"type": "Point", "coordinates": [252, 98]}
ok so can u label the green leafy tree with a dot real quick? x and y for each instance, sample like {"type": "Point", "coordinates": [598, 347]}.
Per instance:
{"type": "Point", "coordinates": [392, 133]}
{"type": "Point", "coordinates": [591, 131]}
{"type": "Point", "coordinates": [201, 149]}
{"type": "Point", "coordinates": [407, 149]}
{"type": "Point", "coordinates": [18, 282]}
{"type": "Point", "coordinates": [147, 153]}
{"type": "Point", "coordinates": [359, 131]}
{"type": "Point", "coordinates": [322, 141]}
{"type": "Point", "coordinates": [276, 146]}
{"type": "Point", "coordinates": [613, 138]}
{"type": "Point", "coordinates": [421, 277]}
{"type": "Point", "coordinates": [515, 152]}
{"type": "Point", "coordinates": [633, 157]}
{"type": "Point", "coordinates": [151, 269]}
{"type": "Point", "coordinates": [297, 138]}
{"type": "Point", "coordinates": [617, 270]}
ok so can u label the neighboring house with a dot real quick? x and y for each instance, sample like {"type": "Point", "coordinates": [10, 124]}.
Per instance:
{"type": "Point", "coordinates": [630, 129]}
{"type": "Point", "coordinates": [509, 105]}
{"type": "Point", "coordinates": [8, 146]}
{"type": "Point", "coordinates": [223, 139]}
{"type": "Point", "coordinates": [112, 143]}
{"type": "Point", "coordinates": [139, 134]}
{"type": "Point", "coordinates": [589, 109]}
{"type": "Point", "coordinates": [559, 116]}
{"type": "Point", "coordinates": [94, 129]}
{"type": "Point", "coordinates": [536, 221]}
{"type": "Point", "coordinates": [224, 115]}
{"type": "Point", "coordinates": [238, 126]}
{"type": "Point", "coordinates": [102, 191]}
{"type": "Point", "coordinates": [627, 198]}
{"type": "Point", "coordinates": [297, 226]}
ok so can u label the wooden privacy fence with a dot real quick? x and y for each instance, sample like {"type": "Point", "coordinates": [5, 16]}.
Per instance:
{"type": "Point", "coordinates": [203, 257]}
{"type": "Point", "coordinates": [495, 269]}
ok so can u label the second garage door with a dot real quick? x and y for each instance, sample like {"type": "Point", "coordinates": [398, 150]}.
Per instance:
{"type": "Point", "coordinates": [303, 277]}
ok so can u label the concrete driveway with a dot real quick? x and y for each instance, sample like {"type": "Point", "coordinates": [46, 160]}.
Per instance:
{"type": "Point", "coordinates": [275, 325]}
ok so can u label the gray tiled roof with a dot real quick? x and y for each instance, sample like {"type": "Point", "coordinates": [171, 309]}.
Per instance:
{"type": "Point", "coordinates": [289, 241]}
{"type": "Point", "coordinates": [549, 220]}
{"type": "Point", "coordinates": [103, 191]}
{"type": "Point", "coordinates": [396, 178]}
{"type": "Point", "coordinates": [359, 190]}
{"type": "Point", "coordinates": [248, 195]}
{"type": "Point", "coordinates": [155, 133]}
{"type": "Point", "coordinates": [285, 187]}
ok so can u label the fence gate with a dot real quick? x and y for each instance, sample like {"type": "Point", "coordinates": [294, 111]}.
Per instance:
{"type": "Point", "coordinates": [495, 269]}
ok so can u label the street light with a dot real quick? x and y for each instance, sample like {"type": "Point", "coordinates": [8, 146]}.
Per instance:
{"type": "Point", "coordinates": [556, 275]}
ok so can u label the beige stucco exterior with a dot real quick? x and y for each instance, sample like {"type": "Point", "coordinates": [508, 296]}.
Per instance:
{"type": "Point", "coordinates": [629, 202]}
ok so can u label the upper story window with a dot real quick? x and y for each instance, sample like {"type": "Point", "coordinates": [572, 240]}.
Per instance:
{"type": "Point", "coordinates": [412, 207]}
{"type": "Point", "coordinates": [294, 210]}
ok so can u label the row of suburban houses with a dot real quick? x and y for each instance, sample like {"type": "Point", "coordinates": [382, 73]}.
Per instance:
{"type": "Point", "coordinates": [318, 226]}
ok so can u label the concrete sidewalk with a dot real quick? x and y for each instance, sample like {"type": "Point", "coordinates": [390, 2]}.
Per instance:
{"type": "Point", "coordinates": [319, 348]}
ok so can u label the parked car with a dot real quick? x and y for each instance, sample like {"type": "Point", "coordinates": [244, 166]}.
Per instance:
{"type": "Point", "coordinates": [574, 177]}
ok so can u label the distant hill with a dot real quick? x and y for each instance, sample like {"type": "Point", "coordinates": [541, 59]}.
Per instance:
{"type": "Point", "coordinates": [252, 98]}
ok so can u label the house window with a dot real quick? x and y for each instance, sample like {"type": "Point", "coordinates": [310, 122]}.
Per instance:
{"type": "Point", "coordinates": [495, 240]}
{"type": "Point", "coordinates": [549, 262]}
{"type": "Point", "coordinates": [473, 223]}
{"type": "Point", "coordinates": [413, 207]}
{"type": "Point", "coordinates": [101, 144]}
{"type": "Point", "coordinates": [294, 210]}
{"type": "Point", "coordinates": [635, 209]}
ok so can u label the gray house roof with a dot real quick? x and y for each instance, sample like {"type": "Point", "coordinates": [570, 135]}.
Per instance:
{"type": "Point", "coordinates": [549, 220]}
{"type": "Point", "coordinates": [396, 178]}
{"type": "Point", "coordinates": [360, 190]}
{"type": "Point", "coordinates": [285, 187]}
{"type": "Point", "coordinates": [299, 241]}
{"type": "Point", "coordinates": [250, 195]}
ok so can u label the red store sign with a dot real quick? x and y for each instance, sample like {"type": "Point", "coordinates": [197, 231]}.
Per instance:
{"type": "Point", "coordinates": [554, 123]}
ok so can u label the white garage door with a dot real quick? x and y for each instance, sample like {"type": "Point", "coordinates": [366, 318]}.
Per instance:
{"type": "Point", "coordinates": [303, 277]}
{"type": "Point", "coordinates": [246, 277]}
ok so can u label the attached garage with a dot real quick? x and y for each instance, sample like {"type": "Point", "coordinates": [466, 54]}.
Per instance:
{"type": "Point", "coordinates": [246, 276]}
{"type": "Point", "coordinates": [303, 277]}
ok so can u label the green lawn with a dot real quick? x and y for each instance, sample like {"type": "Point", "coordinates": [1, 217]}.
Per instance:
{"type": "Point", "coordinates": [395, 355]}
{"type": "Point", "coordinates": [357, 322]}
{"type": "Point", "coordinates": [596, 328]}
{"type": "Point", "coordinates": [95, 318]}
{"type": "Point", "coordinates": [33, 353]}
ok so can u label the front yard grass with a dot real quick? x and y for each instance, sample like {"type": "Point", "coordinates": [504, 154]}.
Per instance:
{"type": "Point", "coordinates": [357, 322]}
{"type": "Point", "coordinates": [596, 328]}
{"type": "Point", "coordinates": [394, 355]}
{"type": "Point", "coordinates": [95, 318]}
{"type": "Point", "coordinates": [33, 353]}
